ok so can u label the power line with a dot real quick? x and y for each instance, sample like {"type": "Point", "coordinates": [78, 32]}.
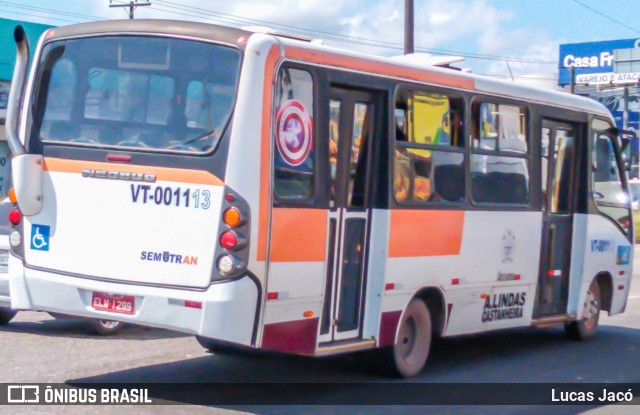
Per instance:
{"type": "Point", "coordinates": [605, 16]}
{"type": "Point", "coordinates": [22, 13]}
{"type": "Point", "coordinates": [237, 20]}
{"type": "Point", "coordinates": [51, 11]}
{"type": "Point", "coordinates": [240, 21]}
{"type": "Point", "coordinates": [226, 17]}
{"type": "Point", "coordinates": [516, 77]}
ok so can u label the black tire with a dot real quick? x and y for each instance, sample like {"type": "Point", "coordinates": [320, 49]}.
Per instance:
{"type": "Point", "coordinates": [105, 327]}
{"type": "Point", "coordinates": [207, 343]}
{"type": "Point", "coordinates": [408, 355]}
{"type": "Point", "coordinates": [221, 347]}
{"type": "Point", "coordinates": [588, 325]}
{"type": "Point", "coordinates": [6, 315]}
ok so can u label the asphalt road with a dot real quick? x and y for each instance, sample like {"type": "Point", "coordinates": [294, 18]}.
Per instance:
{"type": "Point", "coordinates": [37, 348]}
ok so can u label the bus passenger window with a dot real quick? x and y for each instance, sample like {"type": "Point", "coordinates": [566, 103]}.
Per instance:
{"type": "Point", "coordinates": [559, 191]}
{"type": "Point", "coordinates": [334, 136]}
{"type": "Point", "coordinates": [360, 137]}
{"type": "Point", "coordinates": [608, 194]}
{"type": "Point", "coordinates": [294, 137]}
{"type": "Point", "coordinates": [429, 156]}
{"type": "Point", "coordinates": [544, 163]}
{"type": "Point", "coordinates": [499, 160]}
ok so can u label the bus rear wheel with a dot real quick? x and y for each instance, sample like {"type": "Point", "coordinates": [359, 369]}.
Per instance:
{"type": "Point", "coordinates": [588, 326]}
{"type": "Point", "coordinates": [221, 347]}
{"type": "Point", "coordinates": [105, 327]}
{"type": "Point", "coordinates": [409, 353]}
{"type": "Point", "coordinates": [6, 315]}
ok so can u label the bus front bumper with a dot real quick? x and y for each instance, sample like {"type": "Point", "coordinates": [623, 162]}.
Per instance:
{"type": "Point", "coordinates": [224, 311]}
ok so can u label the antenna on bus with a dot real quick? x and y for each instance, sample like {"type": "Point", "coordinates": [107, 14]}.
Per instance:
{"type": "Point", "coordinates": [131, 5]}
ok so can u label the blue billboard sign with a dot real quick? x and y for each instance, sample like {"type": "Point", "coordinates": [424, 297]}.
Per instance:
{"type": "Point", "coordinates": [593, 58]}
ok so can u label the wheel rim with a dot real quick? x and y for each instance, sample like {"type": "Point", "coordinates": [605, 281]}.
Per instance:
{"type": "Point", "coordinates": [407, 340]}
{"type": "Point", "coordinates": [109, 324]}
{"type": "Point", "coordinates": [590, 310]}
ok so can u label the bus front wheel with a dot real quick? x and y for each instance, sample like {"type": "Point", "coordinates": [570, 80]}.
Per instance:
{"type": "Point", "coordinates": [588, 325]}
{"type": "Point", "coordinates": [409, 353]}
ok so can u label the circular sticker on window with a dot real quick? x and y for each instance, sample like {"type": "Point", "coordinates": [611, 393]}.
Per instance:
{"type": "Point", "coordinates": [293, 136]}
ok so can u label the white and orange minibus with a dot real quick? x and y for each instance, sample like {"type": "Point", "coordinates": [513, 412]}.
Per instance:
{"type": "Point", "coordinates": [264, 191]}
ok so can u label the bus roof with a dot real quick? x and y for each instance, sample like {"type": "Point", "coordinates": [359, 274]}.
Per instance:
{"type": "Point", "coordinates": [196, 30]}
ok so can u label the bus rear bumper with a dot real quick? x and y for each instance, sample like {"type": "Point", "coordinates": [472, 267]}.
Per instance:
{"type": "Point", "coordinates": [224, 311]}
{"type": "Point", "coordinates": [5, 299]}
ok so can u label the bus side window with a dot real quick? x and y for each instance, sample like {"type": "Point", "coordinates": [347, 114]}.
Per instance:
{"type": "Point", "coordinates": [429, 157]}
{"type": "Point", "coordinates": [335, 106]}
{"type": "Point", "coordinates": [606, 182]}
{"type": "Point", "coordinates": [294, 166]}
{"type": "Point", "coordinates": [544, 163]}
{"type": "Point", "coordinates": [499, 159]}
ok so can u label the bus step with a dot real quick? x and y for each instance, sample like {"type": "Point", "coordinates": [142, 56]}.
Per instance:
{"type": "Point", "coordinates": [548, 321]}
{"type": "Point", "coordinates": [344, 346]}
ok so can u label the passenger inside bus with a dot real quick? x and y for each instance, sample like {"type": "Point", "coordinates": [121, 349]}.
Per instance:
{"type": "Point", "coordinates": [429, 165]}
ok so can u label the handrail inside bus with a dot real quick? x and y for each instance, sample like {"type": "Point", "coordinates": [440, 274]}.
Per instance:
{"type": "Point", "coordinates": [620, 132]}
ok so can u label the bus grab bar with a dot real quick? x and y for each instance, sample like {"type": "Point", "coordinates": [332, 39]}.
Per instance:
{"type": "Point", "coordinates": [16, 91]}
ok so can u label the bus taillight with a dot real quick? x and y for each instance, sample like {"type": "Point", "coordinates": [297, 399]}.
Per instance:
{"type": "Point", "coordinates": [12, 196]}
{"type": "Point", "coordinates": [226, 264]}
{"type": "Point", "coordinates": [232, 217]}
{"type": "Point", "coordinates": [229, 240]}
{"type": "Point", "coordinates": [15, 216]}
{"type": "Point", "coordinates": [231, 253]}
{"type": "Point", "coordinates": [15, 239]}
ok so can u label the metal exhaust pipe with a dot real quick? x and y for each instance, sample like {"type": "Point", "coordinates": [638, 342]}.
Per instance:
{"type": "Point", "coordinates": [17, 90]}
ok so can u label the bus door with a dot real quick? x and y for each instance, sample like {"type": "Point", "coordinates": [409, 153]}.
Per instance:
{"type": "Point", "coordinates": [558, 204]}
{"type": "Point", "coordinates": [351, 132]}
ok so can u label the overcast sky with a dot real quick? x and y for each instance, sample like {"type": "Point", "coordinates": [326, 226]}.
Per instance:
{"type": "Point", "coordinates": [525, 32]}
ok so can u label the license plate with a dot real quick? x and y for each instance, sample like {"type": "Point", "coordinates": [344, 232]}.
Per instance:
{"type": "Point", "coordinates": [123, 304]}
{"type": "Point", "coordinates": [4, 257]}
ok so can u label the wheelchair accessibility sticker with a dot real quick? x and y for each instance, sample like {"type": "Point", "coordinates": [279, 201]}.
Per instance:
{"type": "Point", "coordinates": [40, 237]}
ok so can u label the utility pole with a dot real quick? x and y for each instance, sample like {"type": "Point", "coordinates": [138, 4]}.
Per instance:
{"type": "Point", "coordinates": [132, 6]}
{"type": "Point", "coordinates": [408, 26]}
{"type": "Point", "coordinates": [510, 73]}
{"type": "Point", "coordinates": [572, 81]}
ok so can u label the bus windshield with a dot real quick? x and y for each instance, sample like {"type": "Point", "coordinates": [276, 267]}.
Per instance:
{"type": "Point", "coordinates": [142, 93]}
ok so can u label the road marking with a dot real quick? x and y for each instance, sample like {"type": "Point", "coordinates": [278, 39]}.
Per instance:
{"type": "Point", "coordinates": [634, 297]}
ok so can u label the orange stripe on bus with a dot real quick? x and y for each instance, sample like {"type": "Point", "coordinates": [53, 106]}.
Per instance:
{"type": "Point", "coordinates": [415, 233]}
{"type": "Point", "coordinates": [298, 235]}
{"type": "Point", "coordinates": [382, 68]}
{"type": "Point", "coordinates": [265, 156]}
{"type": "Point", "coordinates": [162, 173]}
